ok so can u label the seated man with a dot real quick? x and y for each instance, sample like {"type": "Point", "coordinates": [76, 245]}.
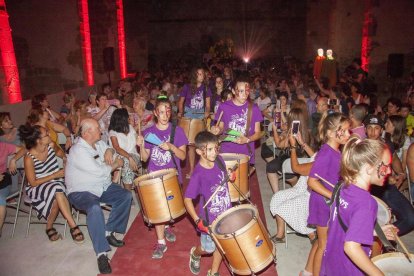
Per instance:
{"type": "Point", "coordinates": [88, 181]}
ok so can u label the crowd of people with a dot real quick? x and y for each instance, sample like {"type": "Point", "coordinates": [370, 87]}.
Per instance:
{"type": "Point", "coordinates": [338, 129]}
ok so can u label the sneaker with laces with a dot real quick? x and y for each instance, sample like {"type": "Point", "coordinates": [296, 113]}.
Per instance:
{"type": "Point", "coordinates": [214, 274]}
{"type": "Point", "coordinates": [169, 235]}
{"type": "Point", "coordinates": [194, 262]}
{"type": "Point", "coordinates": [159, 250]}
{"type": "Point", "coordinates": [103, 265]}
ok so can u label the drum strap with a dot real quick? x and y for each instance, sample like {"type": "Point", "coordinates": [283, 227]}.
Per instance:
{"type": "Point", "coordinates": [172, 136]}
{"type": "Point", "coordinates": [204, 96]}
{"type": "Point", "coordinates": [335, 196]}
{"type": "Point", "coordinates": [248, 123]}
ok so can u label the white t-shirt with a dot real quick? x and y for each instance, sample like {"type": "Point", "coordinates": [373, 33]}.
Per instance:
{"type": "Point", "coordinates": [127, 142]}
{"type": "Point", "coordinates": [263, 103]}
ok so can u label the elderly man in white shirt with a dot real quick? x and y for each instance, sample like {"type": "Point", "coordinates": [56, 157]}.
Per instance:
{"type": "Point", "coordinates": [88, 181]}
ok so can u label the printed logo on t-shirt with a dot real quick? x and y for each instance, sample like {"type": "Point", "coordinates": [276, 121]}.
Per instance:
{"type": "Point", "coordinates": [221, 202]}
{"type": "Point", "coordinates": [197, 101]}
{"type": "Point", "coordinates": [159, 156]}
{"type": "Point", "coordinates": [238, 121]}
{"type": "Point", "coordinates": [343, 204]}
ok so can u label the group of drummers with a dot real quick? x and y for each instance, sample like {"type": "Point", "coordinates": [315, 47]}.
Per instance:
{"type": "Point", "coordinates": [341, 208]}
{"type": "Point", "coordinates": [224, 158]}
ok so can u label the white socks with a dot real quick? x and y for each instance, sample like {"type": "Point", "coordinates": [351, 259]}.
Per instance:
{"type": "Point", "coordinates": [161, 241]}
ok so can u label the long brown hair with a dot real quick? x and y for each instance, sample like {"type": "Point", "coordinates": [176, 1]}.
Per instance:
{"type": "Point", "coordinates": [193, 79]}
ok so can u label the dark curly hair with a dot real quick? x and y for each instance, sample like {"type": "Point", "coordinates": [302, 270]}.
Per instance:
{"type": "Point", "coordinates": [29, 135]}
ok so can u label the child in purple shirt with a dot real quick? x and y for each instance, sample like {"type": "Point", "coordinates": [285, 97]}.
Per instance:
{"type": "Point", "coordinates": [164, 156]}
{"type": "Point", "coordinates": [194, 103]}
{"type": "Point", "coordinates": [354, 210]}
{"type": "Point", "coordinates": [208, 176]}
{"type": "Point", "coordinates": [333, 132]}
{"type": "Point", "coordinates": [235, 117]}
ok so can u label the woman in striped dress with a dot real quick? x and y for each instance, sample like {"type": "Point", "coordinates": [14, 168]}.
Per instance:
{"type": "Point", "coordinates": [46, 188]}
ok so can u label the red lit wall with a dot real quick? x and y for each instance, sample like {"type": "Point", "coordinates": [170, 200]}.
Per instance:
{"type": "Point", "coordinates": [85, 41]}
{"type": "Point", "coordinates": [121, 38]}
{"type": "Point", "coordinates": [10, 82]}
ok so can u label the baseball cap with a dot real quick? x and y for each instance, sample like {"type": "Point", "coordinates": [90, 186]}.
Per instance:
{"type": "Point", "coordinates": [374, 120]}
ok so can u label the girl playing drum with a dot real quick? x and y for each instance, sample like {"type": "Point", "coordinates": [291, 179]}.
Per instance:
{"type": "Point", "coordinates": [164, 156]}
{"type": "Point", "coordinates": [354, 210]}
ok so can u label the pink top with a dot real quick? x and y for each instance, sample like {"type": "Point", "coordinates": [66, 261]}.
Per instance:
{"type": "Point", "coordinates": [5, 150]}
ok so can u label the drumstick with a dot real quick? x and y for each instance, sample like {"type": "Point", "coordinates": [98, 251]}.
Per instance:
{"type": "Point", "coordinates": [219, 186]}
{"type": "Point", "coordinates": [400, 243]}
{"type": "Point", "coordinates": [219, 118]}
{"type": "Point", "coordinates": [139, 127]}
{"type": "Point", "coordinates": [324, 180]}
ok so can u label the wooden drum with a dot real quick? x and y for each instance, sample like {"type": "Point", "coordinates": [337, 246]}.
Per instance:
{"type": "Point", "coordinates": [191, 127]}
{"type": "Point", "coordinates": [395, 264]}
{"type": "Point", "coordinates": [243, 240]}
{"type": "Point", "coordinates": [160, 196]}
{"type": "Point", "coordinates": [242, 175]}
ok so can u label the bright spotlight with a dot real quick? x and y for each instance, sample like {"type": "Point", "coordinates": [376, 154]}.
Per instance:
{"type": "Point", "coordinates": [246, 59]}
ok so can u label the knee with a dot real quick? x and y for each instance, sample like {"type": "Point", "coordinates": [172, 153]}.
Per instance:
{"type": "Point", "coordinates": [94, 209]}
{"type": "Point", "coordinates": [127, 196]}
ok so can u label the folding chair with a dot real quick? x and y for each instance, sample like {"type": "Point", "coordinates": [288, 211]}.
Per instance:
{"type": "Point", "coordinates": [287, 169]}
{"type": "Point", "coordinates": [410, 197]}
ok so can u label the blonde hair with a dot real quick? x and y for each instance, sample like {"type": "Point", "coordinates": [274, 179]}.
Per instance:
{"type": "Point", "coordinates": [357, 153]}
{"type": "Point", "coordinates": [331, 122]}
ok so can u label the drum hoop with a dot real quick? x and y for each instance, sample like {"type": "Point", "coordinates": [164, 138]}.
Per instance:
{"type": "Point", "coordinates": [390, 255]}
{"type": "Point", "coordinates": [231, 210]}
{"type": "Point", "coordinates": [148, 177]}
{"type": "Point", "coordinates": [244, 158]}
{"type": "Point", "coordinates": [381, 202]}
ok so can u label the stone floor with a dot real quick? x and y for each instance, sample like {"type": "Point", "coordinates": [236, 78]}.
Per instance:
{"type": "Point", "coordinates": [35, 255]}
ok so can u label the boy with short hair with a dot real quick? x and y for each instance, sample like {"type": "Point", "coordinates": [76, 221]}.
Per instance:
{"type": "Point", "coordinates": [208, 176]}
{"type": "Point", "coordinates": [409, 118]}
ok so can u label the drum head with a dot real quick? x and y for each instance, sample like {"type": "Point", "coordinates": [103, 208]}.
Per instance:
{"type": "Point", "coordinates": [394, 264]}
{"type": "Point", "coordinates": [383, 213]}
{"type": "Point", "coordinates": [234, 221]}
{"type": "Point", "coordinates": [156, 174]}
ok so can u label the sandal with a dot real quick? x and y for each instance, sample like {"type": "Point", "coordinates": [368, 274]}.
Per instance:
{"type": "Point", "coordinates": [77, 237]}
{"type": "Point", "coordinates": [53, 235]}
{"type": "Point", "coordinates": [275, 239]}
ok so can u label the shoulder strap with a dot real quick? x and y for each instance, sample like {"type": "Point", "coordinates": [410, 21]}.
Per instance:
{"type": "Point", "coordinates": [220, 165]}
{"type": "Point", "coordinates": [204, 96]}
{"type": "Point", "coordinates": [172, 135]}
{"type": "Point", "coordinates": [248, 123]}
{"type": "Point", "coordinates": [341, 222]}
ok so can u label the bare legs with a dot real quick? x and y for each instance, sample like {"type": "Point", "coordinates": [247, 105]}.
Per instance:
{"type": "Point", "coordinates": [217, 258]}
{"type": "Point", "coordinates": [2, 217]}
{"type": "Point", "coordinates": [322, 238]}
{"type": "Point", "coordinates": [159, 229]}
{"type": "Point", "coordinates": [280, 223]}
{"type": "Point", "coordinates": [274, 181]}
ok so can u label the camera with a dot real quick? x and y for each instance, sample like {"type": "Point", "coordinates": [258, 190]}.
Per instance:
{"type": "Point", "coordinates": [295, 127]}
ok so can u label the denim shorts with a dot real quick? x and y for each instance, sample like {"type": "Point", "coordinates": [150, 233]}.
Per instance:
{"type": "Point", "coordinates": [4, 193]}
{"type": "Point", "coordinates": [193, 113]}
{"type": "Point", "coordinates": [207, 243]}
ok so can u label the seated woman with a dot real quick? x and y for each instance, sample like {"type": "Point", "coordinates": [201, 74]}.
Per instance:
{"type": "Point", "coordinates": [292, 205]}
{"type": "Point", "coordinates": [274, 167]}
{"type": "Point", "coordinates": [8, 132]}
{"type": "Point", "coordinates": [80, 113]}
{"type": "Point", "coordinates": [46, 188]}
{"type": "Point", "coordinates": [40, 117]}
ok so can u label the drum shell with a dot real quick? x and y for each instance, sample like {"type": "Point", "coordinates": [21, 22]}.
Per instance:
{"type": "Point", "coordinates": [242, 175]}
{"type": "Point", "coordinates": [249, 246]}
{"type": "Point", "coordinates": [394, 263]}
{"type": "Point", "coordinates": [160, 194]}
{"type": "Point", "coordinates": [191, 127]}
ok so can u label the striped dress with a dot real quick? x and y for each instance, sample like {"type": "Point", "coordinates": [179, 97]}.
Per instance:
{"type": "Point", "coordinates": [43, 195]}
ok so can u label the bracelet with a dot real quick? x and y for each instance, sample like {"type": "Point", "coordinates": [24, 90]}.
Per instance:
{"type": "Point", "coordinates": [248, 140]}
{"type": "Point", "coordinates": [292, 147]}
{"type": "Point", "coordinates": [197, 221]}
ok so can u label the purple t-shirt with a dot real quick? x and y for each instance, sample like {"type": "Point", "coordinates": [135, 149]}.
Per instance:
{"type": "Point", "coordinates": [327, 165]}
{"type": "Point", "coordinates": [235, 117]}
{"type": "Point", "coordinates": [358, 211]}
{"type": "Point", "coordinates": [203, 183]}
{"type": "Point", "coordinates": [160, 159]}
{"type": "Point", "coordinates": [195, 100]}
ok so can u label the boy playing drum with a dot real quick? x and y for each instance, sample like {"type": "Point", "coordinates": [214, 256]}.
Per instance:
{"type": "Point", "coordinates": [208, 176]}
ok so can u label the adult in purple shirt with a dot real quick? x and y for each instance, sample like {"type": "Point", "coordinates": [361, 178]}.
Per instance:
{"type": "Point", "coordinates": [235, 113]}
{"type": "Point", "coordinates": [161, 157]}
{"type": "Point", "coordinates": [333, 132]}
{"type": "Point", "coordinates": [194, 103]}
{"type": "Point", "coordinates": [348, 247]}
